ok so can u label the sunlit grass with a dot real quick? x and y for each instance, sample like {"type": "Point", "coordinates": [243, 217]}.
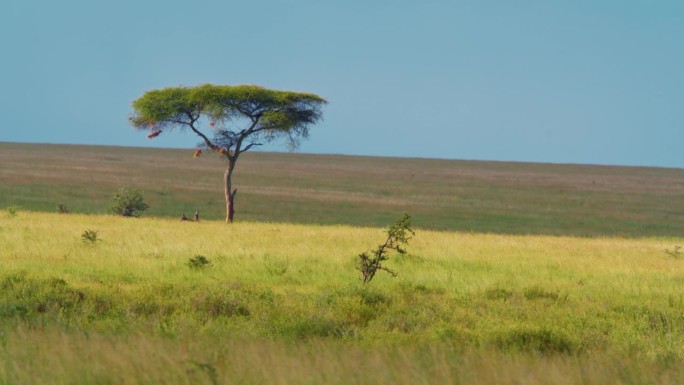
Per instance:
{"type": "Point", "coordinates": [465, 308]}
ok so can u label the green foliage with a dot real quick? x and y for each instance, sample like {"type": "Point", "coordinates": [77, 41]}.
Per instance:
{"type": "Point", "coordinates": [398, 235]}
{"type": "Point", "coordinates": [127, 203]}
{"type": "Point", "coordinates": [275, 113]}
{"type": "Point", "coordinates": [27, 296]}
{"type": "Point", "coordinates": [239, 117]}
{"type": "Point", "coordinates": [198, 262]}
{"type": "Point", "coordinates": [13, 210]}
{"type": "Point", "coordinates": [89, 237]}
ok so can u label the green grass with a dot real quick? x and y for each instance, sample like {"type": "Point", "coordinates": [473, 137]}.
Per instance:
{"type": "Point", "coordinates": [282, 303]}
{"type": "Point", "coordinates": [547, 273]}
{"type": "Point", "coordinates": [493, 197]}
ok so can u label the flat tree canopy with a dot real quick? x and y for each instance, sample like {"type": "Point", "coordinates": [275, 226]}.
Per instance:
{"type": "Point", "coordinates": [229, 119]}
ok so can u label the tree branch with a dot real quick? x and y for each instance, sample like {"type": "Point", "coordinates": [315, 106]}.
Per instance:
{"type": "Point", "coordinates": [250, 130]}
{"type": "Point", "coordinates": [243, 134]}
{"type": "Point", "coordinates": [206, 140]}
{"type": "Point", "coordinates": [250, 146]}
{"type": "Point", "coordinates": [178, 122]}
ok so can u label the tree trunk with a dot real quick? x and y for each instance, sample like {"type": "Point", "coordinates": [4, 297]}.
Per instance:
{"type": "Point", "coordinates": [231, 206]}
{"type": "Point", "coordinates": [229, 191]}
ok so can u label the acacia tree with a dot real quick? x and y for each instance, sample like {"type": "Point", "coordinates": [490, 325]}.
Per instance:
{"type": "Point", "coordinates": [229, 119]}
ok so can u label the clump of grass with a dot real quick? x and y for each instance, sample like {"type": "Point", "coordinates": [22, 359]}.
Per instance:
{"type": "Point", "coordinates": [536, 292]}
{"type": "Point", "coordinates": [29, 296]}
{"type": "Point", "coordinates": [676, 252]}
{"type": "Point", "coordinates": [90, 237]}
{"type": "Point", "coordinates": [498, 293]}
{"type": "Point", "coordinates": [310, 326]}
{"type": "Point", "coordinates": [275, 266]}
{"type": "Point", "coordinates": [374, 298]}
{"type": "Point", "coordinates": [198, 262]}
{"type": "Point", "coordinates": [213, 305]}
{"type": "Point", "coordinates": [13, 210]}
{"type": "Point", "coordinates": [543, 341]}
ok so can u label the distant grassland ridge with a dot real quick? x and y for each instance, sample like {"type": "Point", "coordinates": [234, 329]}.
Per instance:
{"type": "Point", "coordinates": [479, 196]}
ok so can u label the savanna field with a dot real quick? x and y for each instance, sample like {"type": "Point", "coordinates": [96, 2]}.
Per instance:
{"type": "Point", "coordinates": [565, 297]}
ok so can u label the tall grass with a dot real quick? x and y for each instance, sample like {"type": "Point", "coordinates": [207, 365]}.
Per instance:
{"type": "Point", "coordinates": [465, 308]}
{"type": "Point", "coordinates": [47, 356]}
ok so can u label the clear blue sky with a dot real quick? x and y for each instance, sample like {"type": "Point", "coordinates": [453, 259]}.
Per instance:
{"type": "Point", "coordinates": [581, 81]}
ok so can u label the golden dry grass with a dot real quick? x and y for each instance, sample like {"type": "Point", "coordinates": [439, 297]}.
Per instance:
{"type": "Point", "coordinates": [41, 357]}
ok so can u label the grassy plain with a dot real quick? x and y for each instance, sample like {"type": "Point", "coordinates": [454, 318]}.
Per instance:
{"type": "Point", "coordinates": [493, 197]}
{"type": "Point", "coordinates": [282, 303]}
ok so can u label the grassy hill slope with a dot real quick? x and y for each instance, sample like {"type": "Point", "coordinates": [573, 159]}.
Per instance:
{"type": "Point", "coordinates": [500, 197]}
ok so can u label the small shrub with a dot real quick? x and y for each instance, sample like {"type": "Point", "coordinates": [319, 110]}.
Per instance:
{"type": "Point", "coordinates": [374, 298]}
{"type": "Point", "coordinates": [62, 209]}
{"type": "Point", "coordinates": [127, 203]}
{"type": "Point", "coordinates": [675, 253]}
{"type": "Point", "coordinates": [198, 262]}
{"type": "Point", "coordinates": [89, 237]}
{"type": "Point", "coordinates": [13, 210]}
{"type": "Point", "coordinates": [398, 235]}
